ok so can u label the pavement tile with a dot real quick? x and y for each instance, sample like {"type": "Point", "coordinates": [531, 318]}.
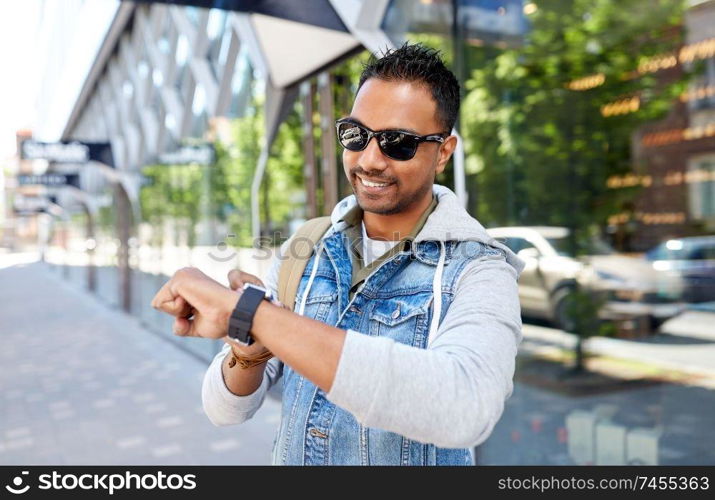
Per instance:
{"type": "Point", "coordinates": [101, 388]}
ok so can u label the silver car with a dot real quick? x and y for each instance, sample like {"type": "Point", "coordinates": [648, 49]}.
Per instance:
{"type": "Point", "coordinates": [634, 289]}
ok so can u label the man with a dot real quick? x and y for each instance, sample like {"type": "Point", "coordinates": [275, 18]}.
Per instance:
{"type": "Point", "coordinates": [403, 350]}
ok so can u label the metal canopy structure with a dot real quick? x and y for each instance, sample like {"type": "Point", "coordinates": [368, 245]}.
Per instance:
{"type": "Point", "coordinates": [312, 12]}
{"type": "Point", "coordinates": [286, 41]}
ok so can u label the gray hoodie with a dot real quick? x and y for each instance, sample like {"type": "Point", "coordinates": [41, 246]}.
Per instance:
{"type": "Point", "coordinates": [465, 374]}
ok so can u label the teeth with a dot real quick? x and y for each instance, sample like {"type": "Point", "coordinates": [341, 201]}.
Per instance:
{"type": "Point", "coordinates": [372, 184]}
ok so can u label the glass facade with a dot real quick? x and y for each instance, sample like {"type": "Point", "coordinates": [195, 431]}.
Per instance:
{"type": "Point", "coordinates": [219, 40]}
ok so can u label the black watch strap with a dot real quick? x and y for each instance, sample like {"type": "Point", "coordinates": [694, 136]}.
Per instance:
{"type": "Point", "coordinates": [241, 320]}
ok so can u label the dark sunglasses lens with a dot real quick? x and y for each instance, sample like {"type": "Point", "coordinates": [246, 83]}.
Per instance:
{"type": "Point", "coordinates": [352, 137]}
{"type": "Point", "coordinates": [397, 145]}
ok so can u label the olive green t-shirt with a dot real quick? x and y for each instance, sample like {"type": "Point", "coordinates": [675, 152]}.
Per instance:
{"type": "Point", "coordinates": [353, 218]}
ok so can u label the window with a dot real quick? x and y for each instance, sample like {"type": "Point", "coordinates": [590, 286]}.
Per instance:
{"type": "Point", "coordinates": [701, 187]}
{"type": "Point", "coordinates": [518, 244]}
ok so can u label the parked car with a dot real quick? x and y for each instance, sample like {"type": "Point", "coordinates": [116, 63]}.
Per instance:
{"type": "Point", "coordinates": [692, 260]}
{"type": "Point", "coordinates": [634, 289]}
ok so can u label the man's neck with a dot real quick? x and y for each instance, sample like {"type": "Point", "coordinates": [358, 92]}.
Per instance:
{"type": "Point", "coordinates": [396, 226]}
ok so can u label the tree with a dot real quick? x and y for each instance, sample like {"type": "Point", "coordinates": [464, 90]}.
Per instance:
{"type": "Point", "coordinates": [236, 164]}
{"type": "Point", "coordinates": [533, 122]}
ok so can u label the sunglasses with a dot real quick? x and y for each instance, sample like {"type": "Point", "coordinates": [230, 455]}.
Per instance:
{"type": "Point", "coordinates": [395, 144]}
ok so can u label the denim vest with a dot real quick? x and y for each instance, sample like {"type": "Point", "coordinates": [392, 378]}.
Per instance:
{"type": "Point", "coordinates": [395, 302]}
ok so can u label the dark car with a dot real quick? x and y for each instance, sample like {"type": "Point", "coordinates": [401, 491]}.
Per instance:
{"type": "Point", "coordinates": [692, 260]}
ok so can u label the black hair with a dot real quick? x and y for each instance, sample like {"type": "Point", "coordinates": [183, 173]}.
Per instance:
{"type": "Point", "coordinates": [422, 65]}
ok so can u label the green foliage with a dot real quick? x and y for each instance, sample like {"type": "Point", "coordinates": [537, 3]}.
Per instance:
{"type": "Point", "coordinates": [174, 192]}
{"type": "Point", "coordinates": [235, 165]}
{"type": "Point", "coordinates": [583, 307]}
{"type": "Point", "coordinates": [282, 182]}
{"type": "Point", "coordinates": [545, 151]}
{"type": "Point", "coordinates": [285, 175]}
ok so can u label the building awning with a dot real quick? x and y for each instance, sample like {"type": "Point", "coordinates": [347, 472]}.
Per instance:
{"type": "Point", "coordinates": [293, 40]}
{"type": "Point", "coordinates": [319, 13]}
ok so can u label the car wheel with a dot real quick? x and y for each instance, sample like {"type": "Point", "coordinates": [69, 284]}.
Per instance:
{"type": "Point", "coordinates": [656, 323]}
{"type": "Point", "coordinates": [562, 300]}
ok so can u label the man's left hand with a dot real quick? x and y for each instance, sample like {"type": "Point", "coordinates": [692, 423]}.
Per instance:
{"type": "Point", "coordinates": [201, 305]}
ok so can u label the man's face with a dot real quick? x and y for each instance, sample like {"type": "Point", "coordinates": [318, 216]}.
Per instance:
{"type": "Point", "coordinates": [381, 105]}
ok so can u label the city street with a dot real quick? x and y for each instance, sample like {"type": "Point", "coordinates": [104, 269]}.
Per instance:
{"type": "Point", "coordinates": [643, 401]}
{"type": "Point", "coordinates": [85, 384]}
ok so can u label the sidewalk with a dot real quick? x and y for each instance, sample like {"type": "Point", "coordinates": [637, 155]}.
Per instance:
{"type": "Point", "coordinates": [85, 384]}
{"type": "Point", "coordinates": [648, 401]}
{"type": "Point", "coordinates": [685, 343]}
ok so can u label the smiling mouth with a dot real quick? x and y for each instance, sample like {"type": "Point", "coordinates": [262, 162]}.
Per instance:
{"type": "Point", "coordinates": [370, 185]}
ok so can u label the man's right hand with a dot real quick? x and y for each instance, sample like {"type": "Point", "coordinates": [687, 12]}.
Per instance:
{"type": "Point", "coordinates": [236, 280]}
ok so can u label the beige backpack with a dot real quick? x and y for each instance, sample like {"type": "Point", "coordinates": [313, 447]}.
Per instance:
{"type": "Point", "coordinates": [293, 266]}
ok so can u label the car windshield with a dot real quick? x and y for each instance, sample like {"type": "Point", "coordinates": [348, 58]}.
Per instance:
{"type": "Point", "coordinates": [680, 250]}
{"type": "Point", "coordinates": [592, 246]}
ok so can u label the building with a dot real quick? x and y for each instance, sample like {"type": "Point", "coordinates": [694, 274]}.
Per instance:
{"type": "Point", "coordinates": [674, 158]}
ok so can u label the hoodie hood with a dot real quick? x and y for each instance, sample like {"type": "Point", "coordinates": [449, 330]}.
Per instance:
{"type": "Point", "coordinates": [448, 222]}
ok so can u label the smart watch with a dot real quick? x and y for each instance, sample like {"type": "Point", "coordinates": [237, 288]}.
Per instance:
{"type": "Point", "coordinates": [239, 324]}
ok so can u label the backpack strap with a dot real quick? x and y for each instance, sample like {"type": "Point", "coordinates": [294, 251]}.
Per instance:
{"type": "Point", "coordinates": [300, 248]}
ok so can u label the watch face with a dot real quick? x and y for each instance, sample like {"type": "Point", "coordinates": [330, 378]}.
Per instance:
{"type": "Point", "coordinates": [266, 292]}
{"type": "Point", "coordinates": [251, 285]}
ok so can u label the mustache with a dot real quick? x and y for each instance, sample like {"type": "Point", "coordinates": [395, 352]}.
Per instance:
{"type": "Point", "coordinates": [376, 178]}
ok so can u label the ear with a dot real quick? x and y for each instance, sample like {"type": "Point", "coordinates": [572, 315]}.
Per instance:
{"type": "Point", "coordinates": [445, 153]}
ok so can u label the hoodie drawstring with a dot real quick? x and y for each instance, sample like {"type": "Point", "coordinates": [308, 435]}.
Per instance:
{"type": "Point", "coordinates": [436, 295]}
{"type": "Point", "coordinates": [310, 280]}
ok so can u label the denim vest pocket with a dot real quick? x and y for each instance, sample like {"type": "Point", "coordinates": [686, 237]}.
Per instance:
{"type": "Point", "coordinates": [318, 306]}
{"type": "Point", "coordinates": [404, 319]}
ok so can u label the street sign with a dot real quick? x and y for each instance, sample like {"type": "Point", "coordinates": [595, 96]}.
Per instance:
{"type": "Point", "coordinates": [49, 180]}
{"type": "Point", "coordinates": [202, 154]}
{"type": "Point", "coordinates": [67, 151]}
{"type": "Point", "coordinates": [30, 204]}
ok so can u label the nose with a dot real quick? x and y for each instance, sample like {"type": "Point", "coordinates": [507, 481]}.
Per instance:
{"type": "Point", "coordinates": [371, 158]}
